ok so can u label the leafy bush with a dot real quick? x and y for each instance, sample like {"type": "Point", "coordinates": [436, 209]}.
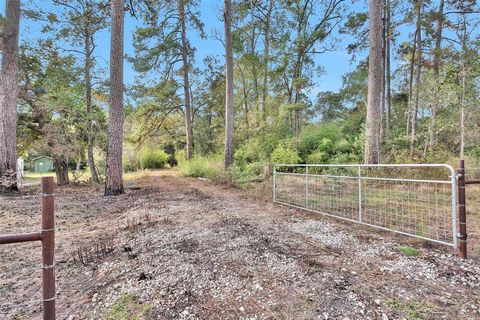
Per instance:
{"type": "Point", "coordinates": [319, 136]}
{"type": "Point", "coordinates": [249, 152]}
{"type": "Point", "coordinates": [318, 157]}
{"type": "Point", "coordinates": [200, 167]}
{"type": "Point", "coordinates": [153, 159]}
{"type": "Point", "coordinates": [283, 154]}
{"type": "Point", "coordinates": [346, 158]}
{"type": "Point", "coordinates": [255, 169]}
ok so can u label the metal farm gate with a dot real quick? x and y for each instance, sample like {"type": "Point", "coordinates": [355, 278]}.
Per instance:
{"type": "Point", "coordinates": [419, 200]}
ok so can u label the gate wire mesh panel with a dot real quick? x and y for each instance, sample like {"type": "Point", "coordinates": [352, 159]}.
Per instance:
{"type": "Point", "coordinates": [334, 191]}
{"type": "Point", "coordinates": [291, 186]}
{"type": "Point", "coordinates": [473, 212]}
{"type": "Point", "coordinates": [473, 220]}
{"type": "Point", "coordinates": [416, 200]}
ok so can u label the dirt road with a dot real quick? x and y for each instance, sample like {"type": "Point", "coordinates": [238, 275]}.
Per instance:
{"type": "Point", "coordinates": [177, 248]}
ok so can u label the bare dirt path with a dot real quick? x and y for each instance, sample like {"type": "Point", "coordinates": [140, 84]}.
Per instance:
{"type": "Point", "coordinates": [177, 248]}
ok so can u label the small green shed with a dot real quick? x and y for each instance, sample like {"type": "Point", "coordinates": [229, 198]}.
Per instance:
{"type": "Point", "coordinates": [43, 164]}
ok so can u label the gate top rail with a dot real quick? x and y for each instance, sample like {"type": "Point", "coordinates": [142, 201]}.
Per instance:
{"type": "Point", "coordinates": [387, 165]}
{"type": "Point", "coordinates": [451, 177]}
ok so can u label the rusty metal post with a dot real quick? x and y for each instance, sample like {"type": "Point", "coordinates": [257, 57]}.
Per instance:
{"type": "Point", "coordinates": [462, 211]}
{"type": "Point", "coordinates": [48, 248]}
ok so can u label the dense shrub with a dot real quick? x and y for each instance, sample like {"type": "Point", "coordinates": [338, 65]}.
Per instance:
{"type": "Point", "coordinates": [153, 159]}
{"type": "Point", "coordinates": [284, 154]}
{"type": "Point", "coordinates": [249, 152]}
{"type": "Point", "coordinates": [318, 157]}
{"type": "Point", "coordinates": [255, 169]}
{"type": "Point", "coordinates": [200, 167]}
{"type": "Point", "coordinates": [323, 136]}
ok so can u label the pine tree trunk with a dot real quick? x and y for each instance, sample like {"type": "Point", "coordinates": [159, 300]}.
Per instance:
{"type": "Point", "coordinates": [436, 72]}
{"type": "Point", "coordinates": [88, 98]}
{"type": "Point", "coordinates": [417, 79]}
{"type": "Point", "coordinates": [296, 113]}
{"type": "Point", "coordinates": [375, 75]}
{"type": "Point", "coordinates": [245, 101]}
{"type": "Point", "coordinates": [186, 82]}
{"type": "Point", "coordinates": [266, 59]}
{"type": "Point", "coordinates": [8, 98]}
{"type": "Point", "coordinates": [410, 86]}
{"type": "Point", "coordinates": [254, 64]}
{"type": "Point", "coordinates": [388, 77]}
{"type": "Point", "coordinates": [384, 73]}
{"type": "Point", "coordinates": [114, 180]}
{"type": "Point", "coordinates": [61, 170]}
{"type": "Point", "coordinates": [229, 85]}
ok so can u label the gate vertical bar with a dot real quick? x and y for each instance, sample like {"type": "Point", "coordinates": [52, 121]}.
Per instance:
{"type": "Point", "coordinates": [359, 193]}
{"type": "Point", "coordinates": [274, 182]}
{"type": "Point", "coordinates": [306, 187]}
{"type": "Point", "coordinates": [462, 211]}
{"type": "Point", "coordinates": [48, 249]}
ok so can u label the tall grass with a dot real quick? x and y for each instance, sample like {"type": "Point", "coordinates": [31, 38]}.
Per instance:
{"type": "Point", "coordinates": [199, 166]}
{"type": "Point", "coordinates": [212, 168]}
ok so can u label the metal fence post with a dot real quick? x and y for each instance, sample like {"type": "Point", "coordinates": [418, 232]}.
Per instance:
{"type": "Point", "coordinates": [306, 187]}
{"type": "Point", "coordinates": [453, 178]}
{"type": "Point", "coordinates": [360, 193]}
{"type": "Point", "coordinates": [48, 248]}
{"type": "Point", "coordinates": [462, 211]}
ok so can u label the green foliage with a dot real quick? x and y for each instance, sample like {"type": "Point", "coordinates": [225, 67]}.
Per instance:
{"type": "Point", "coordinates": [255, 149]}
{"type": "Point", "coordinates": [317, 157]}
{"type": "Point", "coordinates": [127, 307]}
{"type": "Point", "coordinates": [206, 167]}
{"type": "Point", "coordinates": [329, 106]}
{"type": "Point", "coordinates": [285, 154]}
{"type": "Point", "coordinates": [319, 137]}
{"type": "Point", "coordinates": [408, 251]}
{"type": "Point", "coordinates": [249, 152]}
{"type": "Point", "coordinates": [330, 143]}
{"type": "Point", "coordinates": [212, 168]}
{"type": "Point", "coordinates": [153, 159]}
{"type": "Point", "coordinates": [255, 169]}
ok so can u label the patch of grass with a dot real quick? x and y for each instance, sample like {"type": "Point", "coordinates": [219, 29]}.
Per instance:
{"type": "Point", "coordinates": [408, 251]}
{"type": "Point", "coordinates": [80, 176]}
{"type": "Point", "coordinates": [136, 175]}
{"type": "Point", "coordinates": [412, 310]}
{"type": "Point", "coordinates": [35, 176]}
{"type": "Point", "coordinates": [127, 307]}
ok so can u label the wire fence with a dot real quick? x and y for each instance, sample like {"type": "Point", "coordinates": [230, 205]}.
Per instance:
{"type": "Point", "coordinates": [415, 200]}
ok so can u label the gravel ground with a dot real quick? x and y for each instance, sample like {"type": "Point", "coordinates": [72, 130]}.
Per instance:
{"type": "Point", "coordinates": [177, 248]}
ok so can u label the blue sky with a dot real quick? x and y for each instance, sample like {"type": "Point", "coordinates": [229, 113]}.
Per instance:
{"type": "Point", "coordinates": [335, 63]}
